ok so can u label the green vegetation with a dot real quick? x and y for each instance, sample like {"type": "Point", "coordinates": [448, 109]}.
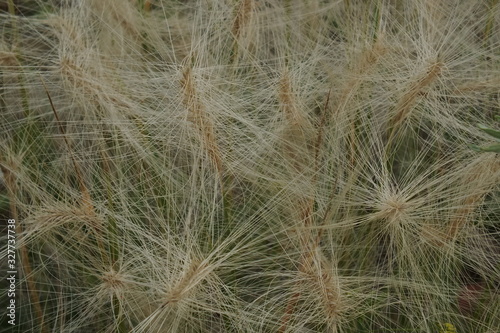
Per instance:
{"type": "Point", "coordinates": [494, 133]}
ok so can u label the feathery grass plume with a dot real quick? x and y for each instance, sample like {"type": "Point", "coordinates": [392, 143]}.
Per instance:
{"type": "Point", "coordinates": [480, 178]}
{"type": "Point", "coordinates": [202, 121]}
{"type": "Point", "coordinates": [406, 102]}
{"type": "Point", "coordinates": [251, 166]}
{"type": "Point", "coordinates": [297, 132]}
{"type": "Point", "coordinates": [242, 25]}
{"type": "Point", "coordinates": [362, 66]}
{"type": "Point", "coordinates": [73, 257]}
{"type": "Point", "coordinates": [8, 59]}
{"type": "Point", "coordinates": [314, 271]}
{"type": "Point", "coordinates": [243, 17]}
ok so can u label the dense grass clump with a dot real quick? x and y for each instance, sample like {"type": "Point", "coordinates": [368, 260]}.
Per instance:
{"type": "Point", "coordinates": [251, 166]}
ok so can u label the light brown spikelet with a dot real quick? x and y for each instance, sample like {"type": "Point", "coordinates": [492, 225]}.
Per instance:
{"type": "Point", "coordinates": [416, 88]}
{"type": "Point", "coordinates": [480, 178]}
{"type": "Point", "coordinates": [243, 17]}
{"type": "Point", "coordinates": [297, 132]}
{"type": "Point", "coordinates": [8, 59]}
{"type": "Point", "coordinates": [192, 277]}
{"type": "Point", "coordinates": [199, 117]}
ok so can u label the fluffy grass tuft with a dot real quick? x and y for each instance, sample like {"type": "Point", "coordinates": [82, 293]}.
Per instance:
{"type": "Point", "coordinates": [251, 166]}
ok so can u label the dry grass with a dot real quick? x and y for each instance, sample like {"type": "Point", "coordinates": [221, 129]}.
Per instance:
{"type": "Point", "coordinates": [252, 166]}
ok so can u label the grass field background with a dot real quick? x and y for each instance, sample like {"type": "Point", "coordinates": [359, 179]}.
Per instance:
{"type": "Point", "coordinates": [251, 166]}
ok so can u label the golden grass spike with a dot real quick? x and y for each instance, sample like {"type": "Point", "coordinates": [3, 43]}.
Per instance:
{"type": "Point", "coordinates": [199, 117]}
